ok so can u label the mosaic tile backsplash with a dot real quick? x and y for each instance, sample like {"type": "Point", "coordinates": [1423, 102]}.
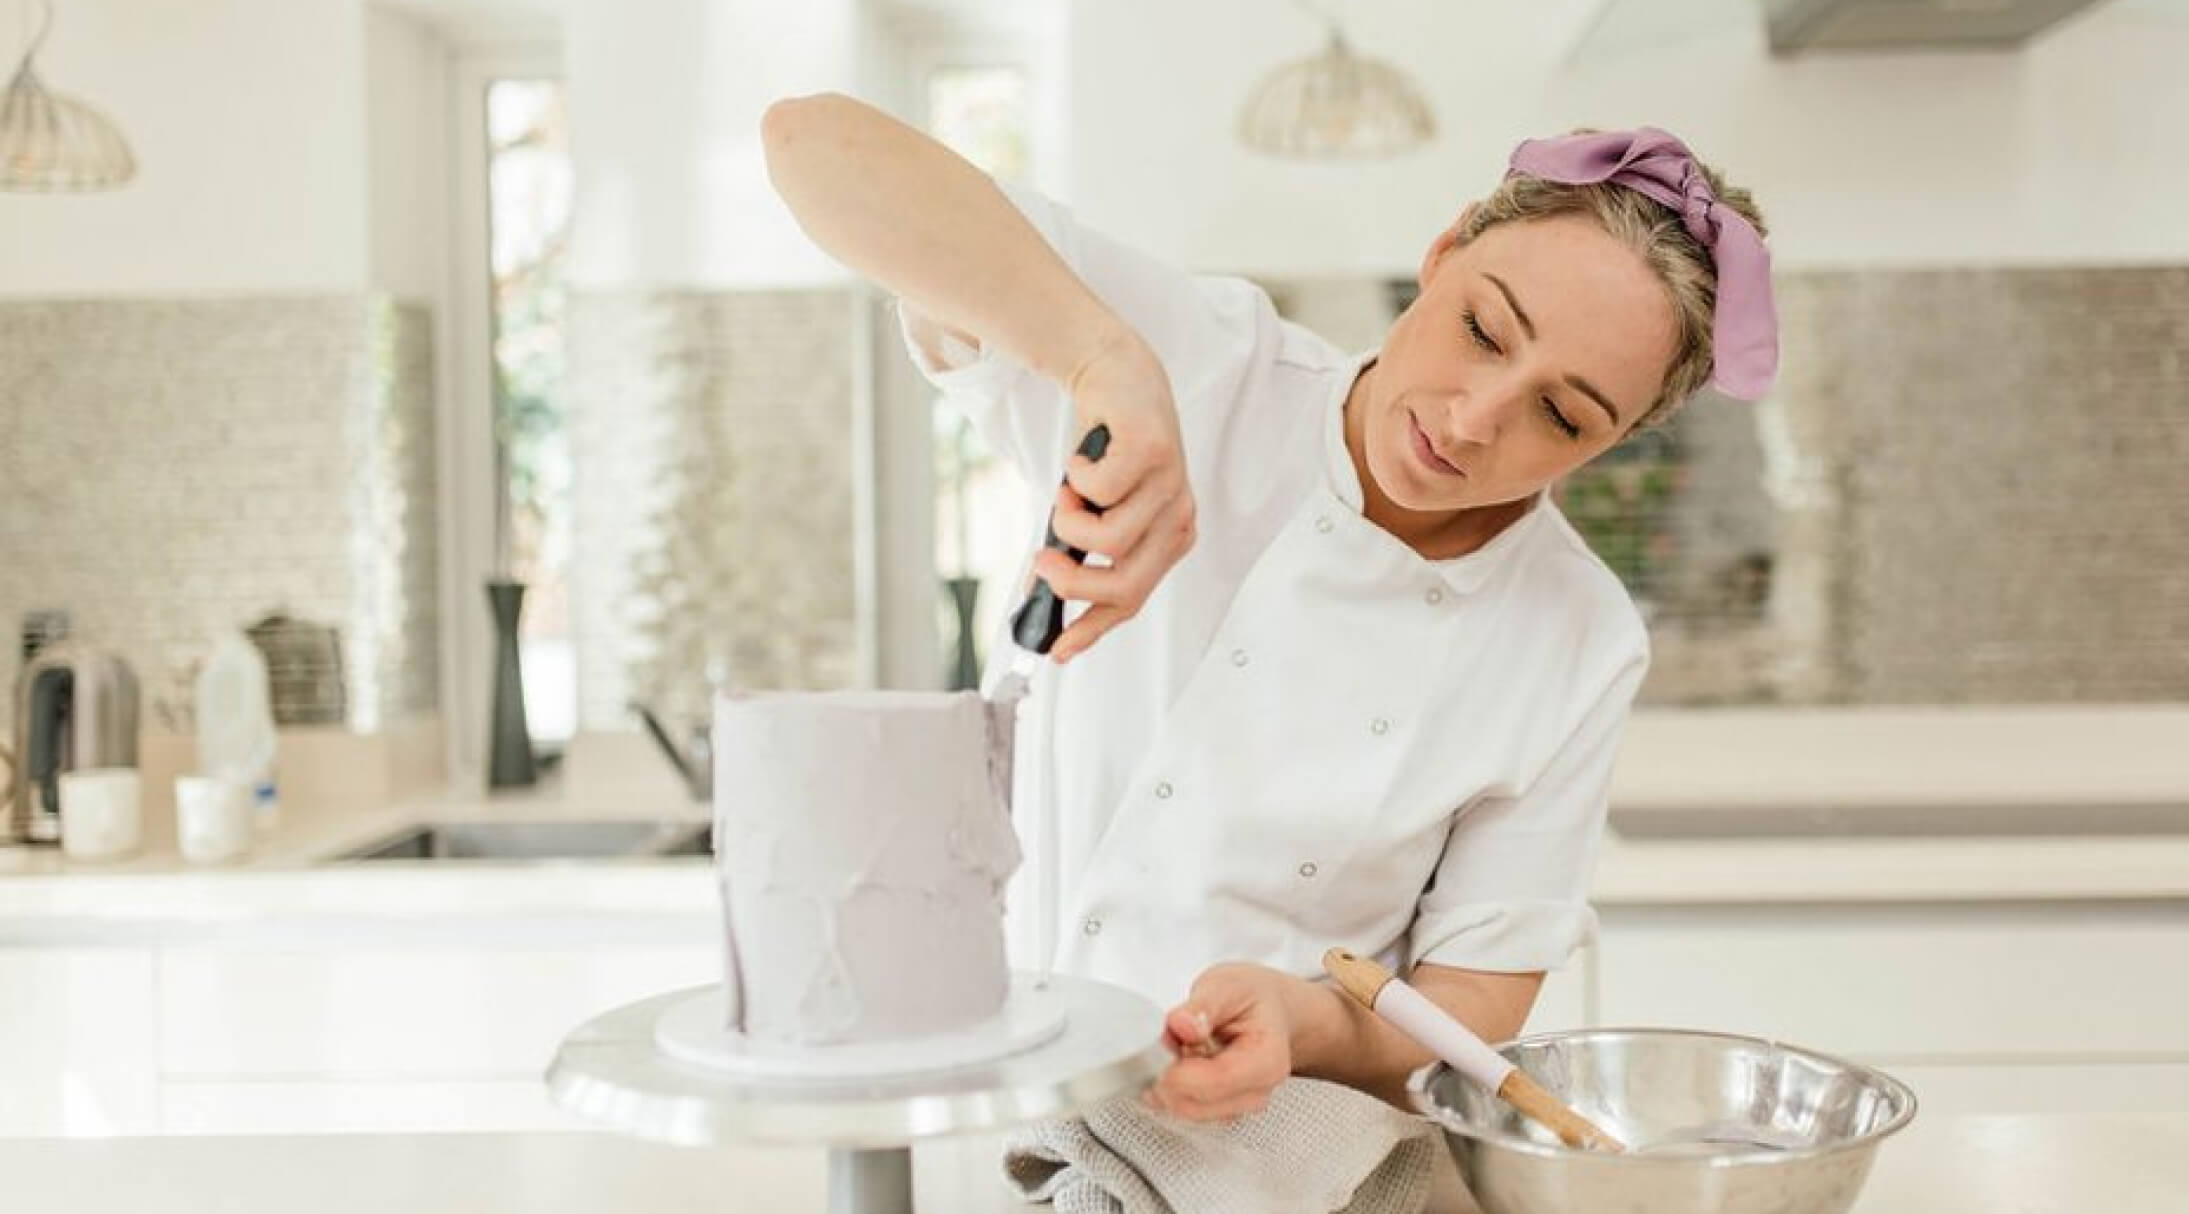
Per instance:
{"type": "Point", "coordinates": [173, 467]}
{"type": "Point", "coordinates": [1968, 487]}
{"type": "Point", "coordinates": [713, 450]}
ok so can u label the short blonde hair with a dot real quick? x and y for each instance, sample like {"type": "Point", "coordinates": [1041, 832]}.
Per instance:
{"type": "Point", "coordinates": [1659, 235]}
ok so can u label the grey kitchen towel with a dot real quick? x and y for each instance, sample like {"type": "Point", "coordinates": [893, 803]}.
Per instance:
{"type": "Point", "coordinates": [1318, 1148]}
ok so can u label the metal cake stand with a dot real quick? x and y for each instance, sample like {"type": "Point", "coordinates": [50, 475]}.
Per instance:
{"type": "Point", "coordinates": [610, 1071]}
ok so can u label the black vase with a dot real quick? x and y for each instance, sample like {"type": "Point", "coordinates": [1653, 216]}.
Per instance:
{"type": "Point", "coordinates": [964, 663]}
{"type": "Point", "coordinates": [509, 746]}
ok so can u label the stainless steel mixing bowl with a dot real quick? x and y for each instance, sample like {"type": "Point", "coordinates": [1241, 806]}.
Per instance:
{"type": "Point", "coordinates": [1714, 1123]}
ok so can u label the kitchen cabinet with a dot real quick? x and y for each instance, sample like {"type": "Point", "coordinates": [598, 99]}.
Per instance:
{"type": "Point", "coordinates": [450, 1012]}
{"type": "Point", "coordinates": [380, 1038]}
{"type": "Point", "coordinates": [1998, 1008]}
{"type": "Point", "coordinates": [197, 1039]}
{"type": "Point", "coordinates": [2033, 977]}
{"type": "Point", "coordinates": [78, 1031]}
{"type": "Point", "coordinates": [301, 1104]}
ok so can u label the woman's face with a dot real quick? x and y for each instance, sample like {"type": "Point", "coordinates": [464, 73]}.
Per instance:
{"type": "Point", "coordinates": [1529, 350]}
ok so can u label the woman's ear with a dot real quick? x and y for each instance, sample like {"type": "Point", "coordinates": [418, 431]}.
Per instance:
{"type": "Point", "coordinates": [1445, 242]}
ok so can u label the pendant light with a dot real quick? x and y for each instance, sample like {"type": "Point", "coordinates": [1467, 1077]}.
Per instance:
{"type": "Point", "coordinates": [1339, 104]}
{"type": "Point", "coordinates": [49, 142]}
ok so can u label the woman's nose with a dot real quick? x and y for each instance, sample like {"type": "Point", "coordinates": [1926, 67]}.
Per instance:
{"type": "Point", "coordinates": [1477, 415]}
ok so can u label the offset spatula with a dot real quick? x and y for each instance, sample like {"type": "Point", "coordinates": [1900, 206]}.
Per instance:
{"type": "Point", "coordinates": [1038, 622]}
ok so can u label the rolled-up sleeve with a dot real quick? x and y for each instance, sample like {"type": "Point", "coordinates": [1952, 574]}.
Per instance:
{"type": "Point", "coordinates": [1200, 329]}
{"type": "Point", "coordinates": [1510, 893]}
{"type": "Point", "coordinates": [1019, 414]}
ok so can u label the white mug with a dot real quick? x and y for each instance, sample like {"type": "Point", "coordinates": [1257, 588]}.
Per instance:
{"type": "Point", "coordinates": [212, 819]}
{"type": "Point", "coordinates": [101, 818]}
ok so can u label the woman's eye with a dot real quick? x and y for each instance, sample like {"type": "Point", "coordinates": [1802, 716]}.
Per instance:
{"type": "Point", "coordinates": [1559, 419]}
{"type": "Point", "coordinates": [1474, 330]}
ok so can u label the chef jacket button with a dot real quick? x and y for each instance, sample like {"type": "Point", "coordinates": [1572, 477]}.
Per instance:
{"type": "Point", "coordinates": [1092, 927]}
{"type": "Point", "coordinates": [1238, 657]}
{"type": "Point", "coordinates": [1308, 869]}
{"type": "Point", "coordinates": [1434, 596]}
{"type": "Point", "coordinates": [1163, 790]}
{"type": "Point", "coordinates": [1379, 726]}
{"type": "Point", "coordinates": [1324, 524]}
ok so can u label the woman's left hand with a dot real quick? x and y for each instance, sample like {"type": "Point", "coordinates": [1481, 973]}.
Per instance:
{"type": "Point", "coordinates": [1232, 1044]}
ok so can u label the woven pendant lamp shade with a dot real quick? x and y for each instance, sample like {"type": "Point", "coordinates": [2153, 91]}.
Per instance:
{"type": "Point", "coordinates": [1336, 105]}
{"type": "Point", "coordinates": [50, 142]}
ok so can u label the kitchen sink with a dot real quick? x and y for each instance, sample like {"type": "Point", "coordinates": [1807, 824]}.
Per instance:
{"type": "Point", "coordinates": [601, 839]}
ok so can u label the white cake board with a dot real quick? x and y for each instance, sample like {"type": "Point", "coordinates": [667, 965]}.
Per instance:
{"type": "Point", "coordinates": [693, 1029]}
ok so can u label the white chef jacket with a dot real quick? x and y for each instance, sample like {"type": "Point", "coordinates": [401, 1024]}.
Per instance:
{"type": "Point", "coordinates": [1311, 735]}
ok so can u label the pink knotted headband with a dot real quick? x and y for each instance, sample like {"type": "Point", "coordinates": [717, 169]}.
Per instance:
{"type": "Point", "coordinates": [1745, 330]}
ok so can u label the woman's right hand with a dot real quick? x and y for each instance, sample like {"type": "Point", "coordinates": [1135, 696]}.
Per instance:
{"type": "Point", "coordinates": [1146, 523]}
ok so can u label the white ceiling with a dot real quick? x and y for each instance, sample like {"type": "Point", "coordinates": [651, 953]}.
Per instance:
{"type": "Point", "coordinates": [475, 16]}
{"type": "Point", "coordinates": [1620, 26]}
{"type": "Point", "coordinates": [482, 20]}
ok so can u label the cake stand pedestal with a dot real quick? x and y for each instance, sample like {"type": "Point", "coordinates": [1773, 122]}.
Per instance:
{"type": "Point", "coordinates": [611, 1071]}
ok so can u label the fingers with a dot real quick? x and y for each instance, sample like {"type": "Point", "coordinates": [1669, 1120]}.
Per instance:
{"type": "Point", "coordinates": [1111, 532]}
{"type": "Point", "coordinates": [1091, 626]}
{"type": "Point", "coordinates": [1187, 1032]}
{"type": "Point", "coordinates": [1132, 507]}
{"type": "Point", "coordinates": [1228, 1058]}
{"type": "Point", "coordinates": [1234, 1083]}
{"type": "Point", "coordinates": [1139, 456]}
{"type": "Point", "coordinates": [1114, 593]}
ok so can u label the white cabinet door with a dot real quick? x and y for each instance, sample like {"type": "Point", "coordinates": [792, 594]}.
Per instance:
{"type": "Point", "coordinates": [77, 1036]}
{"type": "Point", "coordinates": [2022, 983]}
{"type": "Point", "coordinates": [458, 1012]}
{"type": "Point", "coordinates": [261, 1106]}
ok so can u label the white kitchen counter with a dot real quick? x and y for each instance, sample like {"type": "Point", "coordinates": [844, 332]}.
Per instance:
{"type": "Point", "coordinates": [2115, 1164]}
{"type": "Point", "coordinates": [46, 898]}
{"type": "Point", "coordinates": [287, 882]}
{"type": "Point", "coordinates": [1747, 765]}
{"type": "Point", "coordinates": [85, 904]}
{"type": "Point", "coordinates": [287, 995]}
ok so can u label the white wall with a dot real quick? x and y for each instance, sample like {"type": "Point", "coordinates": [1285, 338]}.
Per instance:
{"type": "Point", "coordinates": [2038, 156]}
{"type": "Point", "coordinates": [247, 120]}
{"type": "Point", "coordinates": [665, 104]}
{"type": "Point", "coordinates": [409, 123]}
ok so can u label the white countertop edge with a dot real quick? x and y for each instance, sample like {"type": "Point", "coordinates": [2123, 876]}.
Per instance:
{"type": "Point", "coordinates": [1918, 756]}
{"type": "Point", "coordinates": [677, 899]}
{"type": "Point", "coordinates": [1913, 870]}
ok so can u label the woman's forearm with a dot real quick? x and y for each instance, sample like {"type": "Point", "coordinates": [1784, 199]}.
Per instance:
{"type": "Point", "coordinates": [907, 212]}
{"type": "Point", "coordinates": [1335, 1038]}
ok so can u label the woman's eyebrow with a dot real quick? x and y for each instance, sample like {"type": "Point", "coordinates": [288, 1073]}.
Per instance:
{"type": "Point", "coordinates": [1528, 326]}
{"type": "Point", "coordinates": [1513, 301]}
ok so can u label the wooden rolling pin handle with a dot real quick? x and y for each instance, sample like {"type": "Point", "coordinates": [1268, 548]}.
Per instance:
{"type": "Point", "coordinates": [1357, 976]}
{"type": "Point", "coordinates": [1572, 1129]}
{"type": "Point", "coordinates": [1364, 980]}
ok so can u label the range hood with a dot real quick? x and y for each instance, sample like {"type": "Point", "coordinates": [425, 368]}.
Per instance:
{"type": "Point", "coordinates": [1795, 26]}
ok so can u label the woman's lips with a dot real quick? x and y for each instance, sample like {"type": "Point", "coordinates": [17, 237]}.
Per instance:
{"type": "Point", "coordinates": [1428, 454]}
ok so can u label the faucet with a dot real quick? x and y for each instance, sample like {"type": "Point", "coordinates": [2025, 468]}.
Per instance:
{"type": "Point", "coordinates": [696, 764]}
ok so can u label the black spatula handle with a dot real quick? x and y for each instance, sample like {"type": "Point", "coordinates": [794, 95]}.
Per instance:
{"type": "Point", "coordinates": [1040, 619]}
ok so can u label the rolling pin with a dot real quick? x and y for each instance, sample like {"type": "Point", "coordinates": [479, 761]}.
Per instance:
{"type": "Point", "coordinates": [1378, 990]}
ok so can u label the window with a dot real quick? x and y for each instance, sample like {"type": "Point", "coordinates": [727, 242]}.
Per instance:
{"type": "Point", "coordinates": [985, 519]}
{"type": "Point", "coordinates": [529, 191]}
